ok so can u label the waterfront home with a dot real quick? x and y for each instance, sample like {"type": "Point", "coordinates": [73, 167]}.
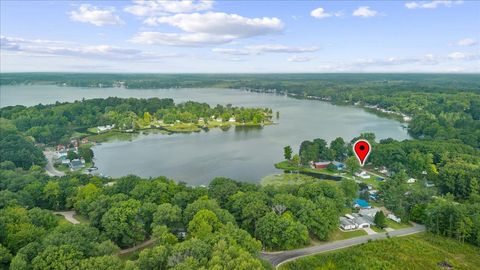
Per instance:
{"type": "Point", "coordinates": [77, 164]}
{"type": "Point", "coordinates": [64, 160]}
{"type": "Point", "coordinates": [232, 120]}
{"type": "Point", "coordinates": [385, 171]}
{"type": "Point", "coordinates": [321, 164]}
{"type": "Point", "coordinates": [105, 128]}
{"type": "Point", "coordinates": [60, 147]}
{"type": "Point", "coordinates": [363, 175]}
{"type": "Point", "coordinates": [339, 165]}
{"type": "Point", "coordinates": [62, 153]}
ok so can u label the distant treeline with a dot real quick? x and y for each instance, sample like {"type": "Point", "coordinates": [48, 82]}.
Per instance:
{"type": "Point", "coordinates": [308, 83]}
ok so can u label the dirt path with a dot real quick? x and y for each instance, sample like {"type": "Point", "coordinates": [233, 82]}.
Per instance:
{"type": "Point", "coordinates": [69, 216]}
{"type": "Point", "coordinates": [137, 247]}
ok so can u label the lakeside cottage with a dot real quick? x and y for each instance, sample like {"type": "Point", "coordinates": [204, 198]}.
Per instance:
{"type": "Point", "coordinates": [105, 128]}
{"type": "Point", "coordinates": [324, 164]}
{"type": "Point", "coordinates": [363, 175]}
{"type": "Point", "coordinates": [321, 164]}
{"type": "Point", "coordinates": [77, 164]}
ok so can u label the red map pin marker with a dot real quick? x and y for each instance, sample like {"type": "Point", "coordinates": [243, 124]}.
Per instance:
{"type": "Point", "coordinates": [362, 150]}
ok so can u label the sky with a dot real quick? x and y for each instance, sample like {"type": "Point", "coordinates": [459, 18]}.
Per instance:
{"type": "Point", "coordinates": [207, 36]}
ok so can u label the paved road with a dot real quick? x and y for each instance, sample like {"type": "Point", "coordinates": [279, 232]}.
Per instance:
{"type": "Point", "coordinates": [277, 258]}
{"type": "Point", "coordinates": [69, 216]}
{"type": "Point", "coordinates": [49, 168]}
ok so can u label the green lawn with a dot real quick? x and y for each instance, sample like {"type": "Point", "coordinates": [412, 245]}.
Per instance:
{"type": "Point", "coordinates": [288, 179]}
{"type": "Point", "coordinates": [396, 226]}
{"type": "Point", "coordinates": [341, 235]}
{"type": "Point", "coordinates": [377, 229]}
{"type": "Point", "coordinates": [419, 251]}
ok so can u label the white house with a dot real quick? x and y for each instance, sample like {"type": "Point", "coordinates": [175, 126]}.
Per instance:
{"type": "Point", "coordinates": [346, 224]}
{"type": "Point", "coordinates": [361, 222]}
{"type": "Point", "coordinates": [232, 120]}
{"type": "Point", "coordinates": [354, 221]}
{"type": "Point", "coordinates": [105, 128]}
{"type": "Point", "coordinates": [363, 175]}
{"type": "Point", "coordinates": [411, 180]}
{"type": "Point", "coordinates": [394, 218]}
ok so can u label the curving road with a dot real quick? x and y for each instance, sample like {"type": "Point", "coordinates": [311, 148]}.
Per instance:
{"type": "Point", "coordinates": [278, 258]}
{"type": "Point", "coordinates": [49, 168]}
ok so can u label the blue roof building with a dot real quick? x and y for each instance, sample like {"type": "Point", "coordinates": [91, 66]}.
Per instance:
{"type": "Point", "coordinates": [361, 203]}
{"type": "Point", "coordinates": [339, 165]}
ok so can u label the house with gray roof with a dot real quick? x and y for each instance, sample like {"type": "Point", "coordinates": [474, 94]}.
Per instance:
{"type": "Point", "coordinates": [76, 164]}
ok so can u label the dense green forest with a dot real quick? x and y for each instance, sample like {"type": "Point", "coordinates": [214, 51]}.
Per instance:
{"type": "Point", "coordinates": [222, 222]}
{"type": "Point", "coordinates": [56, 123]}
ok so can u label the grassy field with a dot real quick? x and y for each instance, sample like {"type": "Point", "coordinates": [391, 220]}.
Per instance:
{"type": "Point", "coordinates": [419, 251]}
{"type": "Point", "coordinates": [287, 179]}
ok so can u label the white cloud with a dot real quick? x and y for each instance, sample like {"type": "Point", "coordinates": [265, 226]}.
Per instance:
{"type": "Point", "coordinates": [297, 58]}
{"type": "Point", "coordinates": [208, 28]}
{"type": "Point", "coordinates": [320, 13]}
{"type": "Point", "coordinates": [365, 12]}
{"type": "Point", "coordinates": [265, 48]}
{"type": "Point", "coordinates": [466, 42]}
{"type": "Point", "coordinates": [175, 39]}
{"type": "Point", "coordinates": [431, 4]}
{"type": "Point", "coordinates": [220, 23]}
{"type": "Point", "coordinates": [51, 48]}
{"type": "Point", "coordinates": [146, 8]}
{"type": "Point", "coordinates": [90, 14]}
{"type": "Point", "coordinates": [463, 56]}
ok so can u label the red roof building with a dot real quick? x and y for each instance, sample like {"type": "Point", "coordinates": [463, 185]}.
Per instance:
{"type": "Point", "coordinates": [321, 164]}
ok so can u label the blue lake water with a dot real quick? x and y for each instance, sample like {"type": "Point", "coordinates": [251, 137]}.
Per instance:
{"type": "Point", "coordinates": [245, 154]}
